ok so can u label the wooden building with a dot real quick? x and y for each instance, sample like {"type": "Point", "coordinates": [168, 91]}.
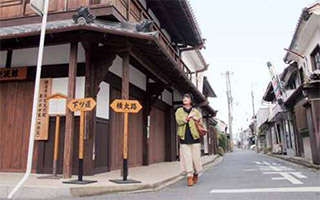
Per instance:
{"type": "Point", "coordinates": [130, 49]}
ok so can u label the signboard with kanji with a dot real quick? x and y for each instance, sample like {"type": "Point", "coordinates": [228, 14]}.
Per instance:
{"type": "Point", "coordinates": [276, 82]}
{"type": "Point", "coordinates": [8, 74]}
{"type": "Point", "coordinates": [42, 125]}
{"type": "Point", "coordinates": [126, 106]}
{"type": "Point", "coordinates": [57, 104]}
{"type": "Point", "coordinates": [83, 105]}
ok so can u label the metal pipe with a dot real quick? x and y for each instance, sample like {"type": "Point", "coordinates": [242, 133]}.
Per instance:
{"type": "Point", "coordinates": [35, 103]}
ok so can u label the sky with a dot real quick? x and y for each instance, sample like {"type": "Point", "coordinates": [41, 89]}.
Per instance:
{"type": "Point", "coordinates": [241, 37]}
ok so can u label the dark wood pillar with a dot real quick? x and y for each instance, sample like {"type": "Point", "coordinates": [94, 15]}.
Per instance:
{"type": "Point", "coordinates": [315, 110]}
{"type": "Point", "coordinates": [90, 116]}
{"type": "Point", "coordinates": [69, 131]}
{"type": "Point", "coordinates": [146, 129]}
{"type": "Point", "coordinates": [313, 126]}
{"type": "Point", "coordinates": [312, 92]}
{"type": "Point", "coordinates": [170, 135]}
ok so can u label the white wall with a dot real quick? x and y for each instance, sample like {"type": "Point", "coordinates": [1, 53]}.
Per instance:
{"type": "Point", "coordinates": [3, 58]}
{"type": "Point", "coordinates": [137, 78]}
{"type": "Point", "coordinates": [167, 97]}
{"type": "Point", "coordinates": [194, 63]}
{"type": "Point", "coordinates": [103, 101]}
{"type": "Point", "coordinates": [177, 96]}
{"type": "Point", "coordinates": [60, 85]}
{"type": "Point", "coordinates": [58, 54]}
{"type": "Point", "coordinates": [309, 47]}
{"type": "Point", "coordinates": [307, 147]}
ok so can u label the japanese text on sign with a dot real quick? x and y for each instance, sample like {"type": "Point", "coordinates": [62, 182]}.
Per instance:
{"type": "Point", "coordinates": [13, 74]}
{"type": "Point", "coordinates": [129, 106]}
{"type": "Point", "coordinates": [42, 123]}
{"type": "Point", "coordinates": [86, 104]}
{"type": "Point", "coordinates": [57, 104]}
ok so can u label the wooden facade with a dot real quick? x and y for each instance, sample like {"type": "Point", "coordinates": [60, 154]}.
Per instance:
{"type": "Point", "coordinates": [157, 136]}
{"type": "Point", "coordinates": [116, 137]}
{"type": "Point", "coordinates": [97, 50]}
{"type": "Point", "coordinates": [15, 111]}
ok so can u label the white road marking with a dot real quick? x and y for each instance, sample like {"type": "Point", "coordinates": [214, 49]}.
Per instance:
{"type": "Point", "coordinates": [298, 174]}
{"type": "Point", "coordinates": [276, 169]}
{"type": "Point", "coordinates": [266, 163]}
{"type": "Point", "coordinates": [250, 170]}
{"type": "Point", "coordinates": [275, 164]}
{"type": "Point", "coordinates": [288, 176]}
{"type": "Point", "coordinates": [273, 168]}
{"type": "Point", "coordinates": [256, 162]}
{"type": "Point", "coordinates": [269, 190]}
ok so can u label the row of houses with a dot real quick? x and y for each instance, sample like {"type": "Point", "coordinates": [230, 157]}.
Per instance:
{"type": "Point", "coordinates": [291, 125]}
{"type": "Point", "coordinates": [146, 50]}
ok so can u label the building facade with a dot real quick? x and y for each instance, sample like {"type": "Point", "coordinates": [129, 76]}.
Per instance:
{"type": "Point", "coordinates": [129, 50]}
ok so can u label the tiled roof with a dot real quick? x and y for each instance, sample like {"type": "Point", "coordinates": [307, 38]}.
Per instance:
{"type": "Point", "coordinates": [57, 26]}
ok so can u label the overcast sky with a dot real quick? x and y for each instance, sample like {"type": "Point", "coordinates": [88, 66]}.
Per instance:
{"type": "Point", "coordinates": [241, 37]}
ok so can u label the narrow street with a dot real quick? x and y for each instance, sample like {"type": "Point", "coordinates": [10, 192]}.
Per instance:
{"type": "Point", "coordinates": [243, 174]}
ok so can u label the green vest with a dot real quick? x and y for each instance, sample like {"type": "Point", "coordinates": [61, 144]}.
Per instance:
{"type": "Point", "coordinates": [181, 116]}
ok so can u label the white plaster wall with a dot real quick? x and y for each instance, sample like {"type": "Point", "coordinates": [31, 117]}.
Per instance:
{"type": "Point", "coordinates": [167, 97]}
{"type": "Point", "coordinates": [3, 58]}
{"type": "Point", "coordinates": [60, 85]}
{"type": "Point", "coordinates": [309, 47]}
{"type": "Point", "coordinates": [58, 54]}
{"type": "Point", "coordinates": [177, 96]}
{"type": "Point", "coordinates": [205, 138]}
{"type": "Point", "coordinates": [103, 101]}
{"type": "Point", "coordinates": [307, 147]}
{"type": "Point", "coordinates": [137, 78]}
{"type": "Point", "coordinates": [193, 62]}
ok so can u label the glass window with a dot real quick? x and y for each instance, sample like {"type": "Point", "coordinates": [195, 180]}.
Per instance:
{"type": "Point", "coordinates": [315, 58]}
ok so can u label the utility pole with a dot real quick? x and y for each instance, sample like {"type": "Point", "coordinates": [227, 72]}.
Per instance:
{"type": "Point", "coordinates": [230, 101]}
{"type": "Point", "coordinates": [252, 98]}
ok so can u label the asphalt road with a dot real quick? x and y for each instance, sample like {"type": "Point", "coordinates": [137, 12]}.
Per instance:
{"type": "Point", "coordinates": [245, 175]}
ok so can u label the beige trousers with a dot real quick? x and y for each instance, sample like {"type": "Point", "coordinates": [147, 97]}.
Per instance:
{"type": "Point", "coordinates": [190, 158]}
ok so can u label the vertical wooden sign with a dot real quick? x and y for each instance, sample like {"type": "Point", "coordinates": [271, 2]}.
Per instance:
{"type": "Point", "coordinates": [42, 125]}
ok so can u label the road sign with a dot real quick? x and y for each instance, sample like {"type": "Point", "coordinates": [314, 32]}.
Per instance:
{"type": "Point", "coordinates": [83, 105]}
{"type": "Point", "coordinates": [126, 106]}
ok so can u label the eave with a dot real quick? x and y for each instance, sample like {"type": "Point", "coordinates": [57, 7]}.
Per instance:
{"type": "Point", "coordinates": [179, 21]}
{"type": "Point", "coordinates": [146, 43]}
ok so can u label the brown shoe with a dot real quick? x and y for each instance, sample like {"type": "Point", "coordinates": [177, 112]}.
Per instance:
{"type": "Point", "coordinates": [195, 178]}
{"type": "Point", "coordinates": [190, 181]}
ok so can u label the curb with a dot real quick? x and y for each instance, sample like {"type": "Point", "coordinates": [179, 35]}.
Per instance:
{"type": "Point", "coordinates": [96, 191]}
{"type": "Point", "coordinates": [64, 192]}
{"type": "Point", "coordinates": [296, 161]}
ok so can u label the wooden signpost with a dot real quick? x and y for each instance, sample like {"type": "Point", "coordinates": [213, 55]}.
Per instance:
{"type": "Point", "coordinates": [82, 105]}
{"type": "Point", "coordinates": [126, 107]}
{"type": "Point", "coordinates": [57, 107]}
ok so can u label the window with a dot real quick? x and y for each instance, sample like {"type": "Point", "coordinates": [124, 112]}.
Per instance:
{"type": "Point", "coordinates": [301, 75]}
{"type": "Point", "coordinates": [315, 58]}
